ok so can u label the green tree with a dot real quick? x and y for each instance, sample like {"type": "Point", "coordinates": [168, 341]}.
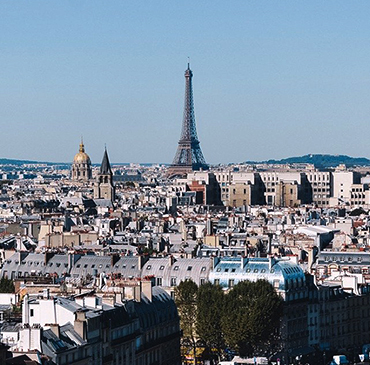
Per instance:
{"type": "Point", "coordinates": [186, 302]}
{"type": "Point", "coordinates": [251, 317]}
{"type": "Point", "coordinates": [210, 306]}
{"type": "Point", "coordinates": [6, 285]}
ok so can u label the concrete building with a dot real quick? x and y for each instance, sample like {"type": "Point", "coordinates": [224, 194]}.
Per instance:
{"type": "Point", "coordinates": [342, 184]}
{"type": "Point", "coordinates": [321, 185]}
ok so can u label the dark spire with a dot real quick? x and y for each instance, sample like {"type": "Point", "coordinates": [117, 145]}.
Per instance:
{"type": "Point", "coordinates": [105, 165]}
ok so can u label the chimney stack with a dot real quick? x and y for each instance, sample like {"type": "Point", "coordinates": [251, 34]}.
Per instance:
{"type": "Point", "coordinates": [114, 259]}
{"type": "Point", "coordinates": [80, 324]}
{"type": "Point", "coordinates": [55, 328]}
{"type": "Point", "coordinates": [46, 293]}
{"type": "Point", "coordinates": [146, 288]}
{"type": "Point", "coordinates": [137, 293]}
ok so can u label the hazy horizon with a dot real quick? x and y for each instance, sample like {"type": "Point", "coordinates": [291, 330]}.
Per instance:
{"type": "Point", "coordinates": [165, 163]}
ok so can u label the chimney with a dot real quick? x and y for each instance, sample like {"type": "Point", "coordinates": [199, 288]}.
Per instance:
{"type": "Point", "coordinates": [48, 256]}
{"type": "Point", "coordinates": [209, 227]}
{"type": "Point", "coordinates": [142, 261]}
{"type": "Point", "coordinates": [146, 287]}
{"type": "Point", "coordinates": [272, 262]}
{"type": "Point", "coordinates": [243, 262]}
{"type": "Point", "coordinates": [311, 259]}
{"type": "Point", "coordinates": [25, 309]}
{"type": "Point", "coordinates": [71, 260]}
{"type": "Point", "coordinates": [46, 293]}
{"type": "Point", "coordinates": [137, 293]}
{"type": "Point", "coordinates": [114, 259]}
{"type": "Point", "coordinates": [80, 323]}
{"type": "Point", "coordinates": [269, 243]}
{"type": "Point", "coordinates": [215, 261]}
{"type": "Point", "coordinates": [171, 260]}
{"type": "Point", "coordinates": [109, 300]}
{"type": "Point", "coordinates": [55, 328]}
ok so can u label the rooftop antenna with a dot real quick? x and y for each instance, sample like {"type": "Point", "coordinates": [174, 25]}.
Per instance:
{"type": "Point", "coordinates": [188, 63]}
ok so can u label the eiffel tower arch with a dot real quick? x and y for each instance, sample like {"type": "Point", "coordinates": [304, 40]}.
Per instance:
{"type": "Point", "coordinates": [189, 155]}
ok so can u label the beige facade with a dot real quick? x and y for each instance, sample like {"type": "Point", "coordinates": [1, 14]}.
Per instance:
{"type": "Point", "coordinates": [287, 194]}
{"type": "Point", "coordinates": [239, 194]}
{"type": "Point", "coordinates": [69, 239]}
{"type": "Point", "coordinates": [290, 188]}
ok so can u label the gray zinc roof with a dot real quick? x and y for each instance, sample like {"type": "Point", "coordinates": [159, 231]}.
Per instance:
{"type": "Point", "coordinates": [174, 271]}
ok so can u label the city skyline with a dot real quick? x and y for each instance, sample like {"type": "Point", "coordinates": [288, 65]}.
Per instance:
{"type": "Point", "coordinates": [270, 80]}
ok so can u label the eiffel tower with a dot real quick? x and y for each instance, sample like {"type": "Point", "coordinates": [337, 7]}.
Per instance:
{"type": "Point", "coordinates": [188, 156]}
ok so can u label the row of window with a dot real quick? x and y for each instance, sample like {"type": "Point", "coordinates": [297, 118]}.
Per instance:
{"type": "Point", "coordinates": [176, 268]}
{"type": "Point", "coordinates": [342, 258]}
{"type": "Point", "coordinates": [248, 270]}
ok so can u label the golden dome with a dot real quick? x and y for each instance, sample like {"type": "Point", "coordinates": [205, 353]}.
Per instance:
{"type": "Point", "coordinates": [81, 156]}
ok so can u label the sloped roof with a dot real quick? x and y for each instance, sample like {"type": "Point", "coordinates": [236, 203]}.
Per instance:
{"type": "Point", "coordinates": [105, 168]}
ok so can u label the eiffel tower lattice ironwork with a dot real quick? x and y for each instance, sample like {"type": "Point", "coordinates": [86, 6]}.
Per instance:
{"type": "Point", "coordinates": [189, 155]}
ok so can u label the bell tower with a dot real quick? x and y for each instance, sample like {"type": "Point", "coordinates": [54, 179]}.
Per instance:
{"type": "Point", "coordinates": [104, 188]}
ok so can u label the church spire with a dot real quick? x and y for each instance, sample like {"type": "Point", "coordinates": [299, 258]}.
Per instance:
{"type": "Point", "coordinates": [105, 168]}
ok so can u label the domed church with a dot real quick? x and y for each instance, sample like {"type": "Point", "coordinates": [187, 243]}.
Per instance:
{"type": "Point", "coordinates": [81, 167]}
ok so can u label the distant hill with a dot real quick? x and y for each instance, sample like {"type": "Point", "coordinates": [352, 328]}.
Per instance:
{"type": "Point", "coordinates": [320, 161]}
{"type": "Point", "coordinates": [8, 161]}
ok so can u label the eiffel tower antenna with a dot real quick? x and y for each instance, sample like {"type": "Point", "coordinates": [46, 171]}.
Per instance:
{"type": "Point", "coordinates": [189, 155]}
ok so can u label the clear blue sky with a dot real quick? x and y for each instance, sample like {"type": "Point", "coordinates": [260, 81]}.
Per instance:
{"type": "Point", "coordinates": [272, 79]}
